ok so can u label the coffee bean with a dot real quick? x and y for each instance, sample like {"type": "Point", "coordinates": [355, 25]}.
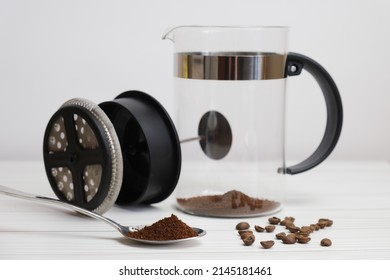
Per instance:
{"type": "Point", "coordinates": [259, 228]}
{"type": "Point", "coordinates": [282, 222]}
{"type": "Point", "coordinates": [280, 235]}
{"type": "Point", "coordinates": [322, 224]}
{"type": "Point", "coordinates": [289, 239]}
{"type": "Point", "coordinates": [242, 226]}
{"type": "Point", "coordinates": [326, 242]}
{"type": "Point", "coordinates": [303, 239]}
{"type": "Point", "coordinates": [294, 229]}
{"type": "Point", "coordinates": [246, 234]}
{"type": "Point", "coordinates": [306, 229]}
{"type": "Point", "coordinates": [292, 219]}
{"type": "Point", "coordinates": [301, 234]}
{"type": "Point", "coordinates": [267, 244]}
{"type": "Point", "coordinates": [240, 232]}
{"type": "Point", "coordinates": [274, 220]}
{"type": "Point", "coordinates": [314, 227]}
{"type": "Point", "coordinates": [270, 228]}
{"type": "Point", "coordinates": [249, 239]}
{"type": "Point", "coordinates": [327, 222]}
{"type": "Point", "coordinates": [287, 221]}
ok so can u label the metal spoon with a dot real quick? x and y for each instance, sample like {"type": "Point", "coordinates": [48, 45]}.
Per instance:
{"type": "Point", "coordinates": [124, 230]}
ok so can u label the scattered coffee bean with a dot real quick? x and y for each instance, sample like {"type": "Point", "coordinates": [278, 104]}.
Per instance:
{"type": "Point", "coordinates": [294, 229]}
{"type": "Point", "coordinates": [274, 220]}
{"type": "Point", "coordinates": [270, 228]}
{"type": "Point", "coordinates": [259, 228]}
{"type": "Point", "coordinates": [292, 219]}
{"type": "Point", "coordinates": [303, 239]}
{"type": "Point", "coordinates": [289, 239]}
{"type": "Point", "coordinates": [326, 242]}
{"type": "Point", "coordinates": [280, 235]}
{"type": "Point", "coordinates": [282, 222]}
{"type": "Point", "coordinates": [297, 234]}
{"type": "Point", "coordinates": [327, 222]}
{"type": "Point", "coordinates": [242, 231]}
{"type": "Point", "coordinates": [267, 244]}
{"type": "Point", "coordinates": [322, 224]}
{"type": "Point", "coordinates": [242, 226]}
{"type": "Point", "coordinates": [249, 239]}
{"type": "Point", "coordinates": [306, 229]}
{"type": "Point", "coordinates": [287, 221]}
{"type": "Point", "coordinates": [246, 234]}
{"type": "Point", "coordinates": [315, 227]}
{"type": "Point", "coordinates": [301, 234]}
{"type": "Point", "coordinates": [289, 224]}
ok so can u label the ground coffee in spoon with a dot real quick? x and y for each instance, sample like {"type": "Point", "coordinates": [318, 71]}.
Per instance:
{"type": "Point", "coordinates": [169, 228]}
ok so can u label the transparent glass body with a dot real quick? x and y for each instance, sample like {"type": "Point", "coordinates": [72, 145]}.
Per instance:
{"type": "Point", "coordinates": [235, 171]}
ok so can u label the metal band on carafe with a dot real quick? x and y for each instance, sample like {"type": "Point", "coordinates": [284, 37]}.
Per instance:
{"type": "Point", "coordinates": [230, 66]}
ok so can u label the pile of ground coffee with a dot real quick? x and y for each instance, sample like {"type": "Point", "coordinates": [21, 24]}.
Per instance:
{"type": "Point", "coordinates": [169, 228]}
{"type": "Point", "coordinates": [232, 203]}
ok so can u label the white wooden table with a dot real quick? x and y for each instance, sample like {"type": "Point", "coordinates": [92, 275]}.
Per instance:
{"type": "Point", "coordinates": [355, 195]}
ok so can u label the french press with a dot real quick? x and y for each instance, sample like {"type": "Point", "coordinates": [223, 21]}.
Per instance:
{"type": "Point", "coordinates": [230, 160]}
{"type": "Point", "coordinates": [230, 91]}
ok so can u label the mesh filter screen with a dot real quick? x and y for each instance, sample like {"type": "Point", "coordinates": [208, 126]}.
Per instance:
{"type": "Point", "coordinates": [63, 177]}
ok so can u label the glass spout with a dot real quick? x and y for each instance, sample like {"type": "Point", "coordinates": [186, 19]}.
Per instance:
{"type": "Point", "coordinates": [169, 33]}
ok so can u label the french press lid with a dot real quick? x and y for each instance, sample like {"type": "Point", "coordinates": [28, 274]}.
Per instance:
{"type": "Point", "coordinates": [125, 151]}
{"type": "Point", "coordinates": [149, 144]}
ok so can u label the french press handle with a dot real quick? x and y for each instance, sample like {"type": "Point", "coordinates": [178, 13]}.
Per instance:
{"type": "Point", "coordinates": [294, 65]}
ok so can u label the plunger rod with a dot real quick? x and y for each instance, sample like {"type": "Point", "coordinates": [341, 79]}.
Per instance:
{"type": "Point", "coordinates": [191, 139]}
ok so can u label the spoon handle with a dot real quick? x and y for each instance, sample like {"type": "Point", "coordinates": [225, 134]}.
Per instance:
{"type": "Point", "coordinates": [47, 200]}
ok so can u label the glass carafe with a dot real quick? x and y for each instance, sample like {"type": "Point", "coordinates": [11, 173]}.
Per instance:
{"type": "Point", "coordinates": [230, 93]}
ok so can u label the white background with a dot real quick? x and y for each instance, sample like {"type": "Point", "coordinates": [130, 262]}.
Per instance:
{"type": "Point", "coordinates": [52, 51]}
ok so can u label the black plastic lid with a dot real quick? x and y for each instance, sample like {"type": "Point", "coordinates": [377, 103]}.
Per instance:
{"type": "Point", "coordinates": [150, 147]}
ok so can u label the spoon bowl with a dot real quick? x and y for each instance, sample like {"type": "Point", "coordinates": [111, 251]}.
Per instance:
{"type": "Point", "coordinates": [124, 230]}
{"type": "Point", "coordinates": [200, 232]}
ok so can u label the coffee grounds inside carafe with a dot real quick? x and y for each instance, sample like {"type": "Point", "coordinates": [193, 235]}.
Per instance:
{"type": "Point", "coordinates": [229, 204]}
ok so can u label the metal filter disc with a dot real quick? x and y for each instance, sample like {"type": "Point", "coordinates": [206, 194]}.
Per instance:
{"type": "Point", "coordinates": [82, 156]}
